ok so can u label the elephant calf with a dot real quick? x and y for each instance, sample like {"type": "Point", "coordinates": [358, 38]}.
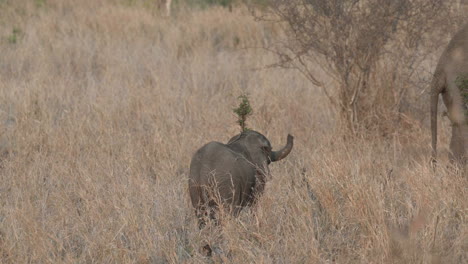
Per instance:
{"type": "Point", "coordinates": [231, 175]}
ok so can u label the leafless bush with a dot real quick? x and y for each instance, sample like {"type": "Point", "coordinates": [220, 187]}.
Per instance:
{"type": "Point", "coordinates": [355, 42]}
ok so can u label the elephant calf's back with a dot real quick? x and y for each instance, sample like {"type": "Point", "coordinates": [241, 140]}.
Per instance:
{"type": "Point", "coordinates": [216, 168]}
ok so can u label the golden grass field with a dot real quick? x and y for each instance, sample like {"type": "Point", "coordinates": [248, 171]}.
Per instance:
{"type": "Point", "coordinates": [102, 105]}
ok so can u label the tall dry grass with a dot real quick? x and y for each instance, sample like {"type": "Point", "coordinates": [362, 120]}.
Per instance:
{"type": "Point", "coordinates": [102, 105]}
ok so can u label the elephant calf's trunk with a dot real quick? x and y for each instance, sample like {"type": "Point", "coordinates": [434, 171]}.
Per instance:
{"type": "Point", "coordinates": [282, 153]}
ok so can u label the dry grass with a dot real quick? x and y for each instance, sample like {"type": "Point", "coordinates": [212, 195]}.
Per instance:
{"type": "Point", "coordinates": [102, 105]}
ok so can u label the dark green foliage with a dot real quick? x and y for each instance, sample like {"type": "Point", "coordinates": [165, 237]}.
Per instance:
{"type": "Point", "coordinates": [13, 38]}
{"type": "Point", "coordinates": [40, 3]}
{"type": "Point", "coordinates": [243, 111]}
{"type": "Point", "coordinates": [462, 83]}
{"type": "Point", "coordinates": [205, 3]}
{"type": "Point", "coordinates": [223, 3]}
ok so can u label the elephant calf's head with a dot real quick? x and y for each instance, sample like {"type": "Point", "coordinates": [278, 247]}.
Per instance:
{"type": "Point", "coordinates": [258, 147]}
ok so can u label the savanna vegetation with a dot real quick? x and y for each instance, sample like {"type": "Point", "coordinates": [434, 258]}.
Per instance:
{"type": "Point", "coordinates": [103, 103]}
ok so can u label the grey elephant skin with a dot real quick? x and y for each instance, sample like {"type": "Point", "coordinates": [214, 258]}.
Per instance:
{"type": "Point", "coordinates": [451, 69]}
{"type": "Point", "coordinates": [231, 175]}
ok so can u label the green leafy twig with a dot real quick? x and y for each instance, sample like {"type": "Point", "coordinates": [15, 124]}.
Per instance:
{"type": "Point", "coordinates": [243, 111]}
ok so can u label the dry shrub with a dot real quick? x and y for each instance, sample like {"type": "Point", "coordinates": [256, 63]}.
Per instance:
{"type": "Point", "coordinates": [369, 48]}
{"type": "Point", "coordinates": [99, 119]}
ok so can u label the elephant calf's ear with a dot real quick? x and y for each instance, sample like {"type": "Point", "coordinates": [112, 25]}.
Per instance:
{"type": "Point", "coordinates": [234, 138]}
{"type": "Point", "coordinates": [267, 151]}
